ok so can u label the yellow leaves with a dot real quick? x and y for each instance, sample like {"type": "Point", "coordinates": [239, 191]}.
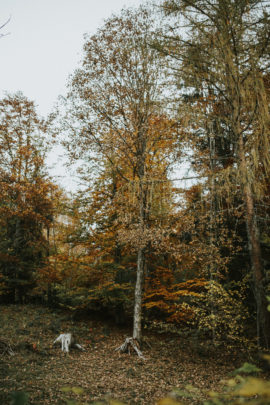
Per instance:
{"type": "Point", "coordinates": [168, 401]}
{"type": "Point", "coordinates": [187, 292]}
{"type": "Point", "coordinates": [254, 386]}
{"type": "Point", "coordinates": [65, 389]}
{"type": "Point", "coordinates": [266, 357]}
{"type": "Point", "coordinates": [241, 391]}
{"type": "Point", "coordinates": [75, 390]}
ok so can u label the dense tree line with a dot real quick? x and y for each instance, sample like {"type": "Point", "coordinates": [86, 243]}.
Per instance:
{"type": "Point", "coordinates": [181, 82]}
{"type": "Point", "coordinates": [26, 197]}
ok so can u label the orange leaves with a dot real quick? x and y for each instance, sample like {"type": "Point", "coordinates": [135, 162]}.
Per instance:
{"type": "Point", "coordinates": [194, 193]}
{"type": "Point", "coordinates": [158, 304]}
{"type": "Point", "coordinates": [27, 196]}
{"type": "Point", "coordinates": [195, 285]}
{"type": "Point", "coordinates": [185, 293]}
{"type": "Point", "coordinates": [48, 273]}
{"type": "Point", "coordinates": [166, 299]}
{"type": "Point", "coordinates": [181, 314]}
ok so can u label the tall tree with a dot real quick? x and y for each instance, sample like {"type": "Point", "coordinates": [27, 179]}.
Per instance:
{"type": "Point", "coordinates": [224, 52]}
{"type": "Point", "coordinates": [116, 97]}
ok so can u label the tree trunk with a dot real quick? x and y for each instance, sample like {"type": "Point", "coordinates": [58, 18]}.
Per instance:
{"type": "Point", "coordinates": [137, 320]}
{"type": "Point", "coordinates": [263, 316]}
{"type": "Point", "coordinates": [49, 285]}
{"type": "Point", "coordinates": [135, 341]}
{"type": "Point", "coordinates": [17, 288]}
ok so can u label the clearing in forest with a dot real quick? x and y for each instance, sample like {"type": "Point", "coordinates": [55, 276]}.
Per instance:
{"type": "Point", "coordinates": [47, 374]}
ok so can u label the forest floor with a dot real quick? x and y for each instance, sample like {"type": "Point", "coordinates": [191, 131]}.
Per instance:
{"type": "Point", "coordinates": [48, 375]}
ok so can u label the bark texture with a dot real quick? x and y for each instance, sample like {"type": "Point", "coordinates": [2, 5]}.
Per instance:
{"type": "Point", "coordinates": [253, 234]}
{"type": "Point", "coordinates": [137, 322]}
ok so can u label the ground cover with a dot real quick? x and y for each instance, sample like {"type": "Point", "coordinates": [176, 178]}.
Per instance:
{"type": "Point", "coordinates": [47, 374]}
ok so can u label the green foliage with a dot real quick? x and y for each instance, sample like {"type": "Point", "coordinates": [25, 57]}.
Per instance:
{"type": "Point", "coordinates": [247, 368]}
{"type": "Point", "coordinates": [106, 288]}
{"type": "Point", "coordinates": [19, 398]}
{"type": "Point", "coordinates": [251, 390]}
{"type": "Point", "coordinates": [72, 390]}
{"type": "Point", "coordinates": [268, 299]}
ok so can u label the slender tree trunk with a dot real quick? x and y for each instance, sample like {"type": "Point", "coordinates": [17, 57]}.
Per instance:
{"type": "Point", "coordinates": [213, 238]}
{"type": "Point", "coordinates": [17, 288]}
{"type": "Point", "coordinates": [263, 316]}
{"type": "Point", "coordinates": [137, 322]}
{"type": "Point", "coordinates": [49, 286]}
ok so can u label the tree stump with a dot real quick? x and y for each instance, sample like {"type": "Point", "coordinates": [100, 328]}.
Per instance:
{"type": "Point", "coordinates": [67, 341]}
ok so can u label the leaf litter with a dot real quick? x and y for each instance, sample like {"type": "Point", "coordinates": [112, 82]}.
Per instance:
{"type": "Point", "coordinates": [48, 376]}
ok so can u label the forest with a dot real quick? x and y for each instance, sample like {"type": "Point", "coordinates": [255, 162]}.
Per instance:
{"type": "Point", "coordinates": [159, 261]}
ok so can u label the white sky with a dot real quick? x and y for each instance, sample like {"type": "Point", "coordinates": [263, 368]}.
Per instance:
{"type": "Point", "coordinates": [45, 43]}
{"type": "Point", "coordinates": [44, 46]}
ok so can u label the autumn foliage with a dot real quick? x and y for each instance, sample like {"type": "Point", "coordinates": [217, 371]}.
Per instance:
{"type": "Point", "coordinates": [139, 240]}
{"type": "Point", "coordinates": [26, 208]}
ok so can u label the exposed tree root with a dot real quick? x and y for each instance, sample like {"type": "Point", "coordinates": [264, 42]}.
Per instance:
{"type": "Point", "coordinates": [129, 344]}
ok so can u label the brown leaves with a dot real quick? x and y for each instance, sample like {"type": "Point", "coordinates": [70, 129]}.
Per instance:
{"type": "Point", "coordinates": [99, 372]}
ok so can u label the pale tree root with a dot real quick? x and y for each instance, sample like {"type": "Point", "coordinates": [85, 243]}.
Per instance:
{"type": "Point", "coordinates": [5, 348]}
{"type": "Point", "coordinates": [67, 341]}
{"type": "Point", "coordinates": [129, 344]}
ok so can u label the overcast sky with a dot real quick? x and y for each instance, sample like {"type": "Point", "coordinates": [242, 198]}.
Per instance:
{"type": "Point", "coordinates": [45, 43]}
{"type": "Point", "coordinates": [44, 46]}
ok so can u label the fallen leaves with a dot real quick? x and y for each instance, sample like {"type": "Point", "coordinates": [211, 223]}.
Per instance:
{"type": "Point", "coordinates": [49, 376]}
